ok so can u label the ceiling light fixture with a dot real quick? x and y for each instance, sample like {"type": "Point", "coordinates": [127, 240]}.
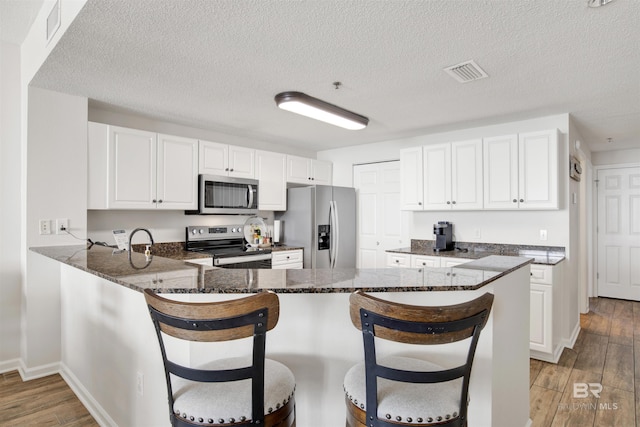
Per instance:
{"type": "Point", "coordinates": [301, 103]}
{"type": "Point", "coordinates": [598, 3]}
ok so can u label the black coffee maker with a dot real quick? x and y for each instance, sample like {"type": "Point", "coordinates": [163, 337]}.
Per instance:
{"type": "Point", "coordinates": [444, 236]}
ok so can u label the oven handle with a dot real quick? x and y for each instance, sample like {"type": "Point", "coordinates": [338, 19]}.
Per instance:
{"type": "Point", "coordinates": [241, 258]}
{"type": "Point", "coordinates": [250, 196]}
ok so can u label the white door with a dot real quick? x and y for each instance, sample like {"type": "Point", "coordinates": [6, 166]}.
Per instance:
{"type": "Point", "coordinates": [538, 170]}
{"type": "Point", "coordinates": [501, 172]}
{"type": "Point", "coordinates": [619, 233]}
{"type": "Point", "coordinates": [379, 219]}
{"type": "Point", "coordinates": [299, 170]}
{"type": "Point", "coordinates": [322, 172]}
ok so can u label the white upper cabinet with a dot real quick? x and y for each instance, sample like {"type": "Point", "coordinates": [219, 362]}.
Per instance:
{"type": "Point", "coordinates": [442, 176]}
{"type": "Point", "coordinates": [272, 177]}
{"type": "Point", "coordinates": [411, 181]}
{"type": "Point", "coordinates": [538, 170]}
{"type": "Point", "coordinates": [466, 175]}
{"type": "Point", "coordinates": [501, 172]}
{"type": "Point", "coordinates": [521, 171]}
{"type": "Point", "coordinates": [226, 160]}
{"type": "Point", "coordinates": [436, 169]}
{"type": "Point", "coordinates": [134, 169]}
{"type": "Point", "coordinates": [177, 172]}
{"type": "Point", "coordinates": [302, 170]}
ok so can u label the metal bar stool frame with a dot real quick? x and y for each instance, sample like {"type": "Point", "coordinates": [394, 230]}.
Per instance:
{"type": "Point", "coordinates": [259, 321]}
{"type": "Point", "coordinates": [377, 320]}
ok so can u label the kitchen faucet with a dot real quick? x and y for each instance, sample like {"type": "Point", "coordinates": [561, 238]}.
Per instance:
{"type": "Point", "coordinates": [131, 238]}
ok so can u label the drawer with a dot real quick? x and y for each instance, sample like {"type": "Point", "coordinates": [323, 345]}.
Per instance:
{"type": "Point", "coordinates": [286, 257]}
{"type": "Point", "coordinates": [398, 260]}
{"type": "Point", "coordinates": [419, 261]}
{"type": "Point", "coordinates": [542, 274]}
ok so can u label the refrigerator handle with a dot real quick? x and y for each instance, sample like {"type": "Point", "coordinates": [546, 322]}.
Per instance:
{"type": "Point", "coordinates": [335, 233]}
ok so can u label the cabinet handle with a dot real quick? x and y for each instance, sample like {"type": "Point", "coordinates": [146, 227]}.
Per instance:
{"type": "Point", "coordinates": [160, 201]}
{"type": "Point", "coordinates": [419, 203]}
{"type": "Point", "coordinates": [454, 202]}
{"type": "Point", "coordinates": [424, 263]}
{"type": "Point", "coordinates": [226, 169]}
{"type": "Point", "coordinates": [448, 202]}
{"type": "Point", "coordinates": [231, 170]}
{"type": "Point", "coordinates": [521, 200]}
{"type": "Point", "coordinates": [397, 261]}
{"type": "Point", "coordinates": [515, 200]}
{"type": "Point", "coordinates": [312, 178]}
{"type": "Point", "coordinates": [377, 243]}
{"type": "Point", "coordinates": [154, 201]}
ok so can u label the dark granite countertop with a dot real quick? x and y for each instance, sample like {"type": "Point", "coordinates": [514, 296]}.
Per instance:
{"type": "Point", "coordinates": [166, 275]}
{"type": "Point", "coordinates": [546, 255]}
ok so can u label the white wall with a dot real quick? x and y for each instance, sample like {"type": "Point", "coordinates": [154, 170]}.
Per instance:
{"type": "Point", "coordinates": [616, 157]}
{"type": "Point", "coordinates": [56, 178]}
{"type": "Point", "coordinates": [494, 226]}
{"type": "Point", "coordinates": [10, 212]}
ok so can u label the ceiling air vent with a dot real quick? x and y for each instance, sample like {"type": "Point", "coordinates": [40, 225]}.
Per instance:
{"type": "Point", "coordinates": [53, 20]}
{"type": "Point", "coordinates": [466, 72]}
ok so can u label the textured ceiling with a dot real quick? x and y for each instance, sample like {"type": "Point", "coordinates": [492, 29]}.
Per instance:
{"type": "Point", "coordinates": [16, 17]}
{"type": "Point", "coordinates": [218, 64]}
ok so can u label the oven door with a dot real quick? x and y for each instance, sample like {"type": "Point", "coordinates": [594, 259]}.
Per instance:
{"type": "Point", "coordinates": [244, 261]}
{"type": "Point", "coordinates": [225, 195]}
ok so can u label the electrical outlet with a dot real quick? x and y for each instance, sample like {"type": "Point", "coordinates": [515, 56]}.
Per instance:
{"type": "Point", "coordinates": [140, 383]}
{"type": "Point", "coordinates": [62, 225]}
{"type": "Point", "coordinates": [543, 234]}
{"type": "Point", "coordinates": [45, 226]}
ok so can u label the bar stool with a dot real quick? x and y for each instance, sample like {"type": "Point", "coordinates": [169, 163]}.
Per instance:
{"type": "Point", "coordinates": [410, 391]}
{"type": "Point", "coordinates": [227, 391]}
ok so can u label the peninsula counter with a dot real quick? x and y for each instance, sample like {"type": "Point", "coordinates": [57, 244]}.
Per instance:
{"type": "Point", "coordinates": [110, 356]}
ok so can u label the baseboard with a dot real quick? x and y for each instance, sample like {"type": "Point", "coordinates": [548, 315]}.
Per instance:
{"type": "Point", "coordinates": [573, 338]}
{"type": "Point", "coordinates": [9, 365]}
{"type": "Point", "coordinates": [547, 357]}
{"type": "Point", "coordinates": [94, 408]}
{"type": "Point", "coordinates": [37, 372]}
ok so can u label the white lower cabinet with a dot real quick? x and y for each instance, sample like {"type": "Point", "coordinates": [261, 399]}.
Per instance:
{"type": "Point", "coordinates": [420, 261]}
{"type": "Point", "coordinates": [397, 260]}
{"type": "Point", "coordinates": [281, 260]}
{"type": "Point", "coordinates": [545, 305]}
{"type": "Point", "coordinates": [541, 318]}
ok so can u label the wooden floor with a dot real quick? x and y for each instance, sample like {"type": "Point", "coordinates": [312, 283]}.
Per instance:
{"type": "Point", "coordinates": [42, 402]}
{"type": "Point", "coordinates": [605, 353]}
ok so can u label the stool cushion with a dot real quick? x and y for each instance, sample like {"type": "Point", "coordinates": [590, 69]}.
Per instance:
{"type": "Point", "coordinates": [229, 402]}
{"type": "Point", "coordinates": [406, 402]}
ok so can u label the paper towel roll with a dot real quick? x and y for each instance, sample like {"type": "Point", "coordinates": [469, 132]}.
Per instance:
{"type": "Point", "coordinates": [276, 231]}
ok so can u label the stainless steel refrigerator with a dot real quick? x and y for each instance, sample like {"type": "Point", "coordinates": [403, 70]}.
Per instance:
{"type": "Point", "coordinates": [321, 219]}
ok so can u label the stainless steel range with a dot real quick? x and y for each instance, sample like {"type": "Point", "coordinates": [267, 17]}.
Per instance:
{"type": "Point", "coordinates": [227, 246]}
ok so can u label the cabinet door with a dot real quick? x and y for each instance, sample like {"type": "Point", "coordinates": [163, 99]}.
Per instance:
{"type": "Point", "coordinates": [501, 172]}
{"type": "Point", "coordinates": [177, 186]}
{"type": "Point", "coordinates": [132, 169]}
{"type": "Point", "coordinates": [213, 158]}
{"type": "Point", "coordinates": [271, 174]}
{"type": "Point", "coordinates": [241, 162]}
{"type": "Point", "coordinates": [321, 172]}
{"type": "Point", "coordinates": [541, 318]}
{"type": "Point", "coordinates": [299, 170]}
{"type": "Point", "coordinates": [538, 170]}
{"type": "Point", "coordinates": [466, 175]}
{"type": "Point", "coordinates": [411, 180]}
{"type": "Point", "coordinates": [437, 176]}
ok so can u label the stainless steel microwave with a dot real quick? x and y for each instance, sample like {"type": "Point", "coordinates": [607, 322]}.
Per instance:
{"type": "Point", "coordinates": [226, 195]}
